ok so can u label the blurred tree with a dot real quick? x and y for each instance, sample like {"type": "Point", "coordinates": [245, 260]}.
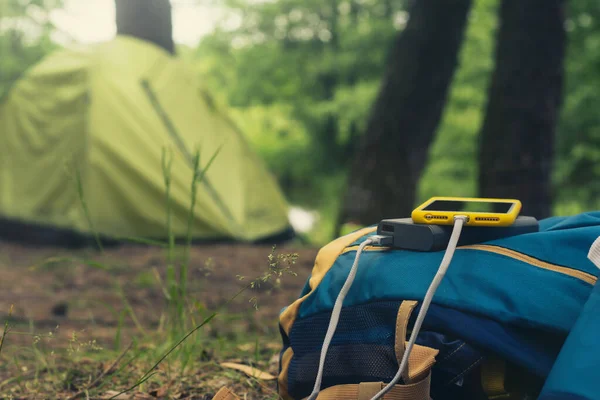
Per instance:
{"type": "Point", "coordinates": [393, 152]}
{"type": "Point", "coordinates": [315, 64]}
{"type": "Point", "coordinates": [148, 20]}
{"type": "Point", "coordinates": [518, 133]}
{"type": "Point", "coordinates": [452, 163]}
{"type": "Point", "coordinates": [271, 69]}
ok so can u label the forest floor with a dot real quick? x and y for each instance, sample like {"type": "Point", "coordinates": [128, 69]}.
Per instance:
{"type": "Point", "coordinates": [89, 324]}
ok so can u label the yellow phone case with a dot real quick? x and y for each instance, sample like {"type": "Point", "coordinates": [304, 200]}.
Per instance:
{"type": "Point", "coordinates": [421, 216]}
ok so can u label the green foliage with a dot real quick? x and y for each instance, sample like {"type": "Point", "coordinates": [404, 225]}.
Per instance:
{"type": "Point", "coordinates": [577, 173]}
{"type": "Point", "coordinates": [25, 37]}
{"type": "Point", "coordinates": [302, 76]}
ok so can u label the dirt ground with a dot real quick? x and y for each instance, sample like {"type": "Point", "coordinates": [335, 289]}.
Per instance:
{"type": "Point", "coordinates": [52, 287]}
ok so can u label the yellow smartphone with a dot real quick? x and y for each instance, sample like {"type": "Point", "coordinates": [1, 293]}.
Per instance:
{"type": "Point", "coordinates": [479, 211]}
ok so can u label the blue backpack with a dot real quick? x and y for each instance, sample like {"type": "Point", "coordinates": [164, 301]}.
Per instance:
{"type": "Point", "coordinates": [494, 330]}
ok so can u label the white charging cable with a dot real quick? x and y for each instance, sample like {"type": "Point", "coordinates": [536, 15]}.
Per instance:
{"type": "Point", "coordinates": [337, 309]}
{"type": "Point", "coordinates": [459, 222]}
{"type": "Point", "coordinates": [594, 253]}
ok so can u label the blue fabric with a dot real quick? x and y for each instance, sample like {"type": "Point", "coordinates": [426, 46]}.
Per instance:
{"type": "Point", "coordinates": [564, 396]}
{"type": "Point", "coordinates": [534, 352]}
{"type": "Point", "coordinates": [564, 241]}
{"type": "Point", "coordinates": [577, 368]}
{"type": "Point", "coordinates": [478, 282]}
{"type": "Point", "coordinates": [454, 358]}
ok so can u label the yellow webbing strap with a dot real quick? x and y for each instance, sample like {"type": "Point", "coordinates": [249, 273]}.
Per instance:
{"type": "Point", "coordinates": [283, 375]}
{"type": "Point", "coordinates": [421, 358]}
{"type": "Point", "coordinates": [225, 394]}
{"type": "Point", "coordinates": [493, 376]}
{"type": "Point", "coordinates": [406, 308]}
{"type": "Point", "coordinates": [366, 390]}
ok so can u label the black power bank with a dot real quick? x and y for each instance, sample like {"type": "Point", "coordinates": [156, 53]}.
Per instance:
{"type": "Point", "coordinates": [420, 237]}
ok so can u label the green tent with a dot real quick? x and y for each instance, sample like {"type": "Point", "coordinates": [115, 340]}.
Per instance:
{"type": "Point", "coordinates": [109, 113]}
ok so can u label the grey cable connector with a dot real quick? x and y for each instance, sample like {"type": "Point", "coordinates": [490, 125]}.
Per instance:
{"type": "Point", "coordinates": [337, 308]}
{"type": "Point", "coordinates": [459, 222]}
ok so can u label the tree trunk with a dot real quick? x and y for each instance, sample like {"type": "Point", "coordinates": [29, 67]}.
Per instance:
{"type": "Point", "coordinates": [517, 137]}
{"type": "Point", "coordinates": [148, 20]}
{"type": "Point", "coordinates": [329, 80]}
{"type": "Point", "coordinates": [393, 152]}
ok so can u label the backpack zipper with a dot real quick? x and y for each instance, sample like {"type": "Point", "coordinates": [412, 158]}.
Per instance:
{"type": "Point", "coordinates": [572, 272]}
{"type": "Point", "coordinates": [575, 273]}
